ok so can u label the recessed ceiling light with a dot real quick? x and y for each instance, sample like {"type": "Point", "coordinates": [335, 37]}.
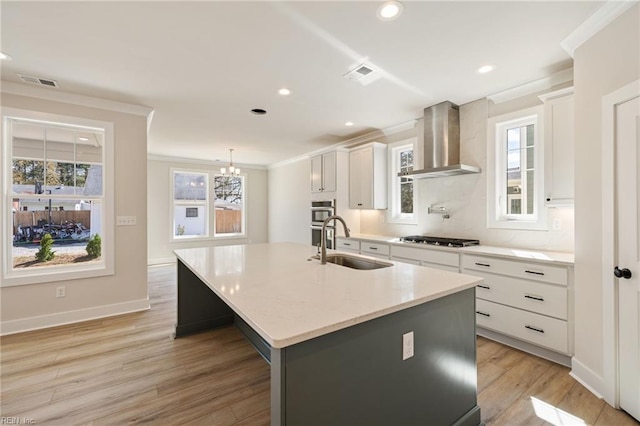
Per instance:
{"type": "Point", "coordinates": [349, 123]}
{"type": "Point", "coordinates": [485, 69]}
{"type": "Point", "coordinates": [258, 111]}
{"type": "Point", "coordinates": [389, 10]}
{"type": "Point", "coordinates": [284, 91]}
{"type": "Point", "coordinates": [4, 57]}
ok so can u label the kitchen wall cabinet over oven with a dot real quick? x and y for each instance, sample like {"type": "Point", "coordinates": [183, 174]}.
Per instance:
{"type": "Point", "coordinates": [323, 172]}
{"type": "Point", "coordinates": [368, 177]}
{"type": "Point", "coordinates": [559, 147]}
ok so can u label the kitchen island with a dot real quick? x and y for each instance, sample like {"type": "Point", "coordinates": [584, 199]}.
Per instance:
{"type": "Point", "coordinates": [334, 335]}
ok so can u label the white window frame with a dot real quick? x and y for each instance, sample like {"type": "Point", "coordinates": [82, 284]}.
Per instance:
{"type": "Point", "coordinates": [394, 214]}
{"type": "Point", "coordinates": [209, 204]}
{"type": "Point", "coordinates": [497, 197]}
{"type": "Point", "coordinates": [175, 203]}
{"type": "Point", "coordinates": [24, 276]}
{"type": "Point", "coordinates": [242, 234]}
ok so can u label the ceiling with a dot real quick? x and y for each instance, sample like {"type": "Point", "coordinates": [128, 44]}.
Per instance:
{"type": "Point", "coordinates": [202, 66]}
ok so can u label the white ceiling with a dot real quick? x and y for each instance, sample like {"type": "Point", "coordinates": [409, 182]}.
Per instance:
{"type": "Point", "coordinates": [204, 65]}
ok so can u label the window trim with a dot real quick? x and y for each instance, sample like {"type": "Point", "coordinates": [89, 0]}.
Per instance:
{"type": "Point", "coordinates": [25, 276]}
{"type": "Point", "coordinates": [496, 171]}
{"type": "Point", "coordinates": [172, 206]}
{"type": "Point", "coordinates": [244, 232]}
{"type": "Point", "coordinates": [393, 213]}
{"type": "Point", "coordinates": [210, 206]}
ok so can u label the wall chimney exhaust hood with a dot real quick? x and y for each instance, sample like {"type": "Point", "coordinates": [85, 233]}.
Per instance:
{"type": "Point", "coordinates": [437, 153]}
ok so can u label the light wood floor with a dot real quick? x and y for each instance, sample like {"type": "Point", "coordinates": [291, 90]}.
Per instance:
{"type": "Point", "coordinates": [126, 369]}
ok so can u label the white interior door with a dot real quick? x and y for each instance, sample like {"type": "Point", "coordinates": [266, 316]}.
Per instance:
{"type": "Point", "coordinates": [627, 271]}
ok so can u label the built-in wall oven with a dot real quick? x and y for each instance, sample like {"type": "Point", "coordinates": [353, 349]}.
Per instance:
{"type": "Point", "coordinates": [320, 210]}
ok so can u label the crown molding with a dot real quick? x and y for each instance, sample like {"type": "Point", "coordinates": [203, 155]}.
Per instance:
{"type": "Point", "coordinates": [563, 76]}
{"type": "Point", "coordinates": [169, 159]}
{"type": "Point", "coordinates": [345, 145]}
{"type": "Point", "coordinates": [596, 22]}
{"type": "Point", "coordinates": [55, 95]}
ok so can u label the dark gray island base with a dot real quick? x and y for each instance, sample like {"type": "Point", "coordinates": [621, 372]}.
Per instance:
{"type": "Point", "coordinates": [356, 375]}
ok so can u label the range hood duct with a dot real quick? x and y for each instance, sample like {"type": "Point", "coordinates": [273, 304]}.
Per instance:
{"type": "Point", "coordinates": [438, 150]}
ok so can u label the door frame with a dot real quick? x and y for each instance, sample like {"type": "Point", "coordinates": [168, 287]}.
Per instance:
{"type": "Point", "coordinates": [609, 249]}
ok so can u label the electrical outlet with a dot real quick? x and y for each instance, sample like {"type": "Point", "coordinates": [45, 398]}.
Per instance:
{"type": "Point", "coordinates": [407, 345]}
{"type": "Point", "coordinates": [126, 221]}
{"type": "Point", "coordinates": [381, 218]}
{"type": "Point", "coordinates": [61, 291]}
{"type": "Point", "coordinates": [556, 224]}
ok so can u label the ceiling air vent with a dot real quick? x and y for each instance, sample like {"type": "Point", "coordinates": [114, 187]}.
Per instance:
{"type": "Point", "coordinates": [37, 80]}
{"type": "Point", "coordinates": [363, 74]}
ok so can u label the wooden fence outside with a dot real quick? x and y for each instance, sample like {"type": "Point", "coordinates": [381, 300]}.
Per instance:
{"type": "Point", "coordinates": [228, 221]}
{"type": "Point", "coordinates": [31, 218]}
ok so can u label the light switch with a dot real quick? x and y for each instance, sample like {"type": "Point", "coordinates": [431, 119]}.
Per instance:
{"type": "Point", "coordinates": [126, 221]}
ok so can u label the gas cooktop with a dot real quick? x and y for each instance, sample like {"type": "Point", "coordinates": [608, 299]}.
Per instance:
{"type": "Point", "coordinates": [439, 241]}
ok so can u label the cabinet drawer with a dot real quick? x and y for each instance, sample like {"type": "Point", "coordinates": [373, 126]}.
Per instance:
{"type": "Point", "coordinates": [528, 270]}
{"type": "Point", "coordinates": [347, 244]}
{"type": "Point", "coordinates": [374, 248]}
{"type": "Point", "coordinates": [541, 298]}
{"type": "Point", "coordinates": [403, 260]}
{"type": "Point", "coordinates": [441, 267]}
{"type": "Point", "coordinates": [442, 257]}
{"type": "Point", "coordinates": [534, 328]}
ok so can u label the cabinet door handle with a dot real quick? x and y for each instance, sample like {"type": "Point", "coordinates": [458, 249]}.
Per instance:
{"type": "Point", "coordinates": [483, 313]}
{"type": "Point", "coordinates": [539, 330]}
{"type": "Point", "coordinates": [528, 296]}
{"type": "Point", "coordinates": [534, 272]}
{"type": "Point", "coordinates": [359, 204]}
{"type": "Point", "coordinates": [483, 264]}
{"type": "Point", "coordinates": [486, 287]}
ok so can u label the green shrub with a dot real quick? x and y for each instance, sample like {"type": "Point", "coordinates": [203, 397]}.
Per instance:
{"type": "Point", "coordinates": [45, 253]}
{"type": "Point", "coordinates": [94, 246]}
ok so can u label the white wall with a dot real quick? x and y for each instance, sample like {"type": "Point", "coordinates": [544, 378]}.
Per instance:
{"type": "Point", "coordinates": [35, 305]}
{"type": "Point", "coordinates": [604, 63]}
{"type": "Point", "coordinates": [465, 196]}
{"type": "Point", "coordinates": [289, 198]}
{"type": "Point", "coordinates": [159, 204]}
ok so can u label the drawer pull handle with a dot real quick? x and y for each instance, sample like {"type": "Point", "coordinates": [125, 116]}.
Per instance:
{"type": "Point", "coordinates": [346, 244]}
{"type": "Point", "coordinates": [539, 330]}
{"type": "Point", "coordinates": [483, 313]}
{"type": "Point", "coordinates": [534, 297]}
{"type": "Point", "coordinates": [535, 272]}
{"type": "Point", "coordinates": [483, 264]}
{"type": "Point", "coordinates": [486, 287]}
{"type": "Point", "coordinates": [373, 248]}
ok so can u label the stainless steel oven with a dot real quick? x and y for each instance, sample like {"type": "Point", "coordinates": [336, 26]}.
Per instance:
{"type": "Point", "coordinates": [320, 210]}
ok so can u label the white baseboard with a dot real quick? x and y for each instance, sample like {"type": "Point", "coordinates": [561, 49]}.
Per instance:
{"type": "Point", "coordinates": [586, 377]}
{"type": "Point", "coordinates": [161, 260]}
{"type": "Point", "coordinates": [70, 317]}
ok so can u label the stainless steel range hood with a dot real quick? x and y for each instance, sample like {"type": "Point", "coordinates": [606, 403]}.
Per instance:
{"type": "Point", "coordinates": [437, 153]}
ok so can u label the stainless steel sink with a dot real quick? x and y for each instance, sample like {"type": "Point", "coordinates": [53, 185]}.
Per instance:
{"type": "Point", "coordinates": [356, 262]}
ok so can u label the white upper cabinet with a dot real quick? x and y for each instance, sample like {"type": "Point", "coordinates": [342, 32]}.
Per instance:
{"type": "Point", "coordinates": [323, 172]}
{"type": "Point", "coordinates": [559, 147]}
{"type": "Point", "coordinates": [368, 177]}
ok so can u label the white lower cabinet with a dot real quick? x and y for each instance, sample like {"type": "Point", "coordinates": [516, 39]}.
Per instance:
{"type": "Point", "coordinates": [378, 250]}
{"type": "Point", "coordinates": [527, 301]}
{"type": "Point", "coordinates": [348, 244]}
{"type": "Point", "coordinates": [432, 258]}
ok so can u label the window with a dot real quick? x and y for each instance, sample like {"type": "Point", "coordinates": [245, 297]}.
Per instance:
{"type": "Point", "coordinates": [190, 205]}
{"type": "Point", "coordinates": [194, 212]}
{"type": "Point", "coordinates": [60, 184]}
{"type": "Point", "coordinates": [515, 152]}
{"type": "Point", "coordinates": [402, 194]}
{"type": "Point", "coordinates": [229, 205]}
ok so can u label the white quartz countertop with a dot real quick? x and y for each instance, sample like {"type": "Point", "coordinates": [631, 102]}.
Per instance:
{"type": "Point", "coordinates": [543, 256]}
{"type": "Point", "coordinates": [288, 299]}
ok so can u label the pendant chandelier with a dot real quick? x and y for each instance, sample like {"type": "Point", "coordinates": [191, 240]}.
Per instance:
{"type": "Point", "coordinates": [233, 171]}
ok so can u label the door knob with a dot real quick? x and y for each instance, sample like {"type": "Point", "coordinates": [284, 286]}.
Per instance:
{"type": "Point", "coordinates": [622, 273]}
